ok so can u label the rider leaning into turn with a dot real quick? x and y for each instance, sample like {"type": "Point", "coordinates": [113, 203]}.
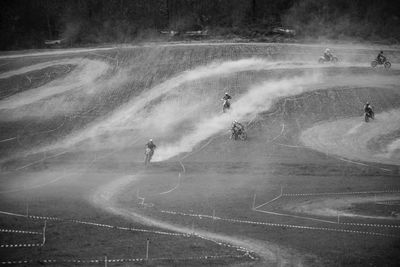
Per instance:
{"type": "Point", "coordinates": [381, 57]}
{"type": "Point", "coordinates": [226, 104]}
{"type": "Point", "coordinates": [226, 97]}
{"type": "Point", "coordinates": [368, 108]}
{"type": "Point", "coordinates": [327, 54]}
{"type": "Point", "coordinates": [237, 127]}
{"type": "Point", "coordinates": [150, 145]}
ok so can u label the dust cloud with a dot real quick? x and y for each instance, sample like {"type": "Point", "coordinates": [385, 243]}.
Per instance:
{"type": "Point", "coordinates": [335, 138]}
{"type": "Point", "coordinates": [180, 113]}
{"type": "Point", "coordinates": [83, 77]}
{"type": "Point", "coordinates": [394, 147]}
{"type": "Point", "coordinates": [258, 98]}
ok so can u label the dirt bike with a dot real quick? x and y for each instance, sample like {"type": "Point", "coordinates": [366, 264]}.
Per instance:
{"type": "Point", "coordinates": [369, 115]}
{"type": "Point", "coordinates": [148, 155]}
{"type": "Point", "coordinates": [238, 134]}
{"type": "Point", "coordinates": [383, 62]}
{"type": "Point", "coordinates": [226, 105]}
{"type": "Point", "coordinates": [323, 59]}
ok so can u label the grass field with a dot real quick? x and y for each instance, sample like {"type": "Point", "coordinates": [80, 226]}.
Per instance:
{"type": "Point", "coordinates": [313, 185]}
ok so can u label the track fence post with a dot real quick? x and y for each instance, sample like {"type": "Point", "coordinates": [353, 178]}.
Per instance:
{"type": "Point", "coordinates": [27, 207]}
{"type": "Point", "coordinates": [254, 201]}
{"type": "Point", "coordinates": [105, 261]}
{"type": "Point", "coordinates": [44, 233]}
{"type": "Point", "coordinates": [147, 249]}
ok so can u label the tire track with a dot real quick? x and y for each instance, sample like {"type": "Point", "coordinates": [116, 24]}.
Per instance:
{"type": "Point", "coordinates": [105, 196]}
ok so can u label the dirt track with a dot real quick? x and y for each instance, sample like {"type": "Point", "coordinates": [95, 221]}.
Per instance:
{"type": "Point", "coordinates": [105, 198]}
{"type": "Point", "coordinates": [304, 120]}
{"type": "Point", "coordinates": [349, 138]}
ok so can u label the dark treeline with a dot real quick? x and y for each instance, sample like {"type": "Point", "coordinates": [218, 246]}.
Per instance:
{"type": "Point", "coordinates": [27, 23]}
{"type": "Point", "coordinates": [361, 19]}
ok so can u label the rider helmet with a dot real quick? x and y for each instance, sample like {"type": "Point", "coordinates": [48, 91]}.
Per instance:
{"type": "Point", "coordinates": [381, 52]}
{"type": "Point", "coordinates": [151, 140]}
{"type": "Point", "coordinates": [226, 93]}
{"type": "Point", "coordinates": [327, 50]}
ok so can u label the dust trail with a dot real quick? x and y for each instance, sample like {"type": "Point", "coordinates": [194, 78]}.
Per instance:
{"type": "Point", "coordinates": [160, 110]}
{"type": "Point", "coordinates": [355, 129]}
{"type": "Point", "coordinates": [333, 138]}
{"type": "Point", "coordinates": [83, 76]}
{"type": "Point", "coordinates": [105, 197]}
{"type": "Point", "coordinates": [73, 61]}
{"type": "Point", "coordinates": [393, 147]}
{"type": "Point", "coordinates": [203, 72]}
{"type": "Point", "coordinates": [180, 112]}
{"type": "Point", "coordinates": [258, 98]}
{"type": "Point", "coordinates": [56, 52]}
{"type": "Point", "coordinates": [334, 206]}
{"type": "Point", "coordinates": [172, 112]}
{"type": "Point", "coordinates": [164, 114]}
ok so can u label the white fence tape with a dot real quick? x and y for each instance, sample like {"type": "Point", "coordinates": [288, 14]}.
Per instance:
{"type": "Point", "coordinates": [79, 261]}
{"type": "Point", "coordinates": [106, 226]}
{"type": "Point", "coordinates": [343, 193]}
{"type": "Point", "coordinates": [19, 232]}
{"type": "Point", "coordinates": [200, 216]}
{"type": "Point", "coordinates": [373, 225]}
{"type": "Point", "coordinates": [21, 245]}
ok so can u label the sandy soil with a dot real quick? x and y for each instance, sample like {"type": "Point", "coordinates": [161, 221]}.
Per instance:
{"type": "Point", "coordinates": [333, 206]}
{"type": "Point", "coordinates": [349, 138]}
{"type": "Point", "coordinates": [105, 198]}
{"type": "Point", "coordinates": [305, 135]}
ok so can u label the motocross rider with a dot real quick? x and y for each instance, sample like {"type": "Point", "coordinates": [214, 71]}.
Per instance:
{"type": "Point", "coordinates": [237, 127]}
{"type": "Point", "coordinates": [381, 58]}
{"type": "Point", "coordinates": [226, 101]}
{"type": "Point", "coordinates": [226, 97]}
{"type": "Point", "coordinates": [327, 54]}
{"type": "Point", "coordinates": [368, 109]}
{"type": "Point", "coordinates": [150, 145]}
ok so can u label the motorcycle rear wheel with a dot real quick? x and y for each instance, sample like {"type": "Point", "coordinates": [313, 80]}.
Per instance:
{"type": "Point", "coordinates": [146, 160]}
{"type": "Point", "coordinates": [387, 65]}
{"type": "Point", "coordinates": [225, 108]}
{"type": "Point", "coordinates": [147, 157]}
{"type": "Point", "coordinates": [243, 136]}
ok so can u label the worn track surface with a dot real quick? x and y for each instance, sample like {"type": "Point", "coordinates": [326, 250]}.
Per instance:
{"type": "Point", "coordinates": [313, 185]}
